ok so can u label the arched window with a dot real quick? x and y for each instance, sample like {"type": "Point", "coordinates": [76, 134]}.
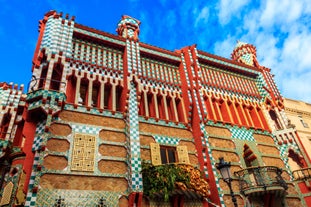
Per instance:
{"type": "Point", "coordinates": [43, 75]}
{"type": "Point", "coordinates": [56, 76]}
{"type": "Point", "coordinates": [5, 125]}
{"type": "Point", "coordinates": [95, 94]}
{"type": "Point", "coordinates": [161, 109]}
{"type": "Point", "coordinates": [180, 111]}
{"type": "Point", "coordinates": [170, 111]}
{"type": "Point", "coordinates": [275, 119]}
{"type": "Point", "coordinates": [250, 158]}
{"type": "Point", "coordinates": [83, 92]}
{"type": "Point", "coordinates": [151, 106]}
{"type": "Point", "coordinates": [71, 89]}
{"type": "Point", "coordinates": [142, 111]}
{"type": "Point", "coordinates": [119, 90]}
{"type": "Point", "coordinates": [107, 96]}
{"type": "Point", "coordinates": [294, 160]}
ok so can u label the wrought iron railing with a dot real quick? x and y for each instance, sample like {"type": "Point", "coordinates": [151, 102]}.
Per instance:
{"type": "Point", "coordinates": [260, 179]}
{"type": "Point", "coordinates": [302, 174]}
{"type": "Point", "coordinates": [39, 83]}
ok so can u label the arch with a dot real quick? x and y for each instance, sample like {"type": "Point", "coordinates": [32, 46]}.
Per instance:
{"type": "Point", "coordinates": [56, 76]}
{"type": "Point", "coordinates": [170, 110]}
{"type": "Point", "coordinates": [119, 90]}
{"type": "Point", "coordinates": [142, 110]}
{"type": "Point", "coordinates": [107, 96]}
{"type": "Point", "coordinates": [208, 106]}
{"type": "Point", "coordinates": [5, 125]}
{"type": "Point", "coordinates": [294, 160]}
{"type": "Point", "coordinates": [249, 157]}
{"type": "Point", "coordinates": [180, 111]}
{"type": "Point", "coordinates": [95, 102]}
{"type": "Point", "coordinates": [275, 119]}
{"type": "Point", "coordinates": [83, 91]}
{"type": "Point", "coordinates": [43, 75]}
{"type": "Point", "coordinates": [151, 107]}
{"type": "Point", "coordinates": [71, 88]}
{"type": "Point", "coordinates": [161, 109]}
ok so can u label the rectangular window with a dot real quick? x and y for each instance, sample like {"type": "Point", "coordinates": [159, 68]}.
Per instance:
{"type": "Point", "coordinates": [83, 154]}
{"type": "Point", "coordinates": [168, 154]}
{"type": "Point", "coordinates": [304, 124]}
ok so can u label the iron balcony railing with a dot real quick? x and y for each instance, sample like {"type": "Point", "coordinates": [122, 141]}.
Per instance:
{"type": "Point", "coordinates": [261, 179]}
{"type": "Point", "coordinates": [39, 83]}
{"type": "Point", "coordinates": [302, 174]}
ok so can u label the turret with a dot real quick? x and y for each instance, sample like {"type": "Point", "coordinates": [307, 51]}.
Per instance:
{"type": "Point", "coordinates": [245, 53]}
{"type": "Point", "coordinates": [128, 27]}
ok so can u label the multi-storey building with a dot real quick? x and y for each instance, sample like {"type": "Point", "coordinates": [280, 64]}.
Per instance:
{"type": "Point", "coordinates": [108, 120]}
{"type": "Point", "coordinates": [299, 117]}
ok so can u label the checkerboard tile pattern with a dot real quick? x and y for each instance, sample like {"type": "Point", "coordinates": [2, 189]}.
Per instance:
{"type": "Point", "coordinates": [242, 134]}
{"type": "Point", "coordinates": [58, 36]}
{"type": "Point", "coordinates": [133, 138]}
{"type": "Point", "coordinates": [39, 136]}
{"type": "Point", "coordinates": [166, 140]}
{"type": "Point", "coordinates": [85, 129]}
{"type": "Point", "coordinates": [261, 83]}
{"type": "Point", "coordinates": [284, 150]}
{"type": "Point", "coordinates": [10, 96]}
{"type": "Point", "coordinates": [208, 153]}
{"type": "Point", "coordinates": [32, 196]}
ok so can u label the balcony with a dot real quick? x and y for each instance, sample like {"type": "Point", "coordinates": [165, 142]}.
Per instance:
{"type": "Point", "coordinates": [256, 181]}
{"type": "Point", "coordinates": [302, 174]}
{"type": "Point", "coordinates": [163, 182]}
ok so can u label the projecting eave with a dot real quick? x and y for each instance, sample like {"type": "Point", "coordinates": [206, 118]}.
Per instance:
{"type": "Point", "coordinates": [91, 33]}
{"type": "Point", "coordinates": [227, 64]}
{"type": "Point", "coordinates": [160, 53]}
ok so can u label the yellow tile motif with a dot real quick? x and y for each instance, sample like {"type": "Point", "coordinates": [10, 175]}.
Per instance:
{"type": "Point", "coordinates": [7, 192]}
{"type": "Point", "coordinates": [83, 153]}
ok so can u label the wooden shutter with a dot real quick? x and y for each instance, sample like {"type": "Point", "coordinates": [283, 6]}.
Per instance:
{"type": "Point", "coordinates": [7, 193]}
{"type": "Point", "coordinates": [182, 153]}
{"type": "Point", "coordinates": [155, 154]}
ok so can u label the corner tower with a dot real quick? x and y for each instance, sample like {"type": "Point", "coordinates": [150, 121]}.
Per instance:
{"type": "Point", "coordinates": [245, 53]}
{"type": "Point", "coordinates": [128, 27]}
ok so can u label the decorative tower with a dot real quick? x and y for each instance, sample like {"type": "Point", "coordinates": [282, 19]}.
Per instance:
{"type": "Point", "coordinates": [46, 96]}
{"type": "Point", "coordinates": [245, 53]}
{"type": "Point", "coordinates": [12, 177]}
{"type": "Point", "coordinates": [128, 27]}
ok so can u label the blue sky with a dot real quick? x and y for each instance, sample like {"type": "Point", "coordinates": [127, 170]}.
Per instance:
{"type": "Point", "coordinates": [280, 30]}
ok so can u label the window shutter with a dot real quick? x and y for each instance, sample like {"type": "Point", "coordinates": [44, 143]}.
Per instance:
{"type": "Point", "coordinates": [155, 154]}
{"type": "Point", "coordinates": [7, 193]}
{"type": "Point", "coordinates": [182, 153]}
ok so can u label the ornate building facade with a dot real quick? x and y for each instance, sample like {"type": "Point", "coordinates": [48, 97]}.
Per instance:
{"type": "Point", "coordinates": [111, 121]}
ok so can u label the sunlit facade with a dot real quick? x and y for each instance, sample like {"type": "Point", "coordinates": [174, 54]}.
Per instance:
{"type": "Point", "coordinates": [108, 119]}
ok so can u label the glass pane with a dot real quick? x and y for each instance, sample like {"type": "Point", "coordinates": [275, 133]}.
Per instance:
{"type": "Point", "coordinates": [163, 156]}
{"type": "Point", "coordinates": [171, 155]}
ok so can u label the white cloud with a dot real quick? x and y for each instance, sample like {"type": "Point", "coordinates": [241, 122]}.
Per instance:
{"type": "Point", "coordinates": [225, 48]}
{"type": "Point", "coordinates": [281, 33]}
{"type": "Point", "coordinates": [297, 48]}
{"type": "Point", "coordinates": [275, 12]}
{"type": "Point", "coordinates": [202, 17]}
{"type": "Point", "coordinates": [228, 8]}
